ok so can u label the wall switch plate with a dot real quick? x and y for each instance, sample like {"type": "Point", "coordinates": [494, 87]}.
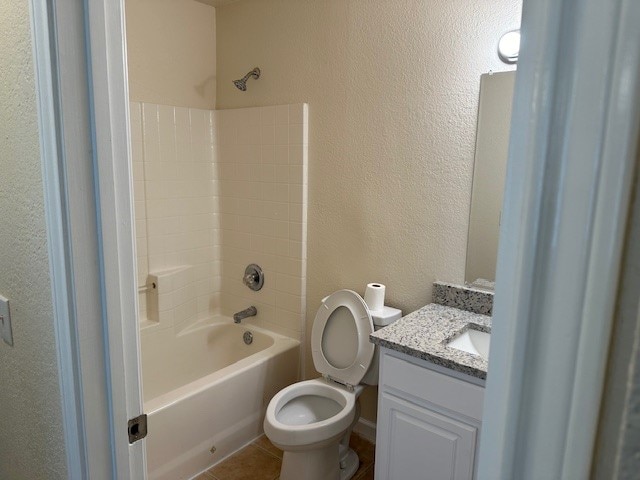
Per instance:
{"type": "Point", "coordinates": [5, 322]}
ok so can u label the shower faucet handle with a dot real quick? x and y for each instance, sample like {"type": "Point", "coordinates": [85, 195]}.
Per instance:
{"type": "Point", "coordinates": [253, 277]}
{"type": "Point", "coordinates": [250, 279]}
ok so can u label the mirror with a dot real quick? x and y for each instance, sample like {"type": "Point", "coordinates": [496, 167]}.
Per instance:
{"type": "Point", "coordinates": [492, 143]}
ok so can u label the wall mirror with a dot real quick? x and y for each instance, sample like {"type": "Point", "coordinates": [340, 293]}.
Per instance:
{"type": "Point", "coordinates": [492, 142]}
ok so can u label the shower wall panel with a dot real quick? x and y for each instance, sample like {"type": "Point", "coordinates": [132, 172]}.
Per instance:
{"type": "Point", "coordinates": [215, 191]}
{"type": "Point", "coordinates": [175, 193]}
{"type": "Point", "coordinates": [262, 171]}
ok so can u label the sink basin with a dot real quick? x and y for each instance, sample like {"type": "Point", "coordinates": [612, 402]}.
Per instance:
{"type": "Point", "coordinates": [472, 341]}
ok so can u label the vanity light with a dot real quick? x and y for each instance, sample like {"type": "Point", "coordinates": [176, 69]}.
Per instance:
{"type": "Point", "coordinates": [509, 46]}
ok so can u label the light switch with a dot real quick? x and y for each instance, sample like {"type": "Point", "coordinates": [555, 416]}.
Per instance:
{"type": "Point", "coordinates": [5, 322]}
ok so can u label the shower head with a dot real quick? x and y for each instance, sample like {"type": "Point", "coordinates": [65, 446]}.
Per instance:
{"type": "Point", "coordinates": [241, 84]}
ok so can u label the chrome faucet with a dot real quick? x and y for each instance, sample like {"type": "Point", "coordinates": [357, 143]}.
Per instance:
{"type": "Point", "coordinates": [247, 312]}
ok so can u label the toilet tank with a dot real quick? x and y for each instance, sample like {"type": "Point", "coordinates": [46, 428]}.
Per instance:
{"type": "Point", "coordinates": [381, 318]}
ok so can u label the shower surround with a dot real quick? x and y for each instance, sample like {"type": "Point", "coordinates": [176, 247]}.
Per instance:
{"type": "Point", "coordinates": [214, 192]}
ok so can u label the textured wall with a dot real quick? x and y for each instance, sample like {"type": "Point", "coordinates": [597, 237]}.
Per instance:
{"type": "Point", "coordinates": [392, 88]}
{"type": "Point", "coordinates": [171, 49]}
{"type": "Point", "coordinates": [31, 435]}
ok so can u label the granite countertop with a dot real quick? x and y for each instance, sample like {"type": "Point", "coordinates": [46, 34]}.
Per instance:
{"type": "Point", "coordinates": [425, 332]}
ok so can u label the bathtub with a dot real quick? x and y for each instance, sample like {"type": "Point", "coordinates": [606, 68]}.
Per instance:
{"type": "Point", "coordinates": [206, 392]}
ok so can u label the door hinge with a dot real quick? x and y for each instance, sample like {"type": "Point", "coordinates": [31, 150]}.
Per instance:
{"type": "Point", "coordinates": [137, 428]}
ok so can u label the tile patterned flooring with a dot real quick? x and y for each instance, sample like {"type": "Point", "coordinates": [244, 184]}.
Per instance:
{"type": "Point", "coordinates": [260, 460]}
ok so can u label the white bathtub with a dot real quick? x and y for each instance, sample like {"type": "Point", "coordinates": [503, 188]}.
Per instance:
{"type": "Point", "coordinates": [205, 388]}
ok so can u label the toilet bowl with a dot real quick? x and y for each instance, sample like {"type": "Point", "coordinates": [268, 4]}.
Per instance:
{"type": "Point", "coordinates": [311, 421]}
{"type": "Point", "coordinates": [309, 413]}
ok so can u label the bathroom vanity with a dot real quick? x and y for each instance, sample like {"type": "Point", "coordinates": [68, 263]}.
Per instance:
{"type": "Point", "coordinates": [430, 394]}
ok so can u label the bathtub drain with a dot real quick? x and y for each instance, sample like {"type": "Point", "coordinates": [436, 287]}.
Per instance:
{"type": "Point", "coordinates": [248, 338]}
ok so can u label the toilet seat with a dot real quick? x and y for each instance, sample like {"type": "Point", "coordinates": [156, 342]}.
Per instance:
{"type": "Point", "coordinates": [334, 323]}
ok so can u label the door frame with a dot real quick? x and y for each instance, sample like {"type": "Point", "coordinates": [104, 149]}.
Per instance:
{"type": "Point", "coordinates": [572, 157]}
{"type": "Point", "coordinates": [83, 113]}
{"type": "Point", "coordinates": [538, 258]}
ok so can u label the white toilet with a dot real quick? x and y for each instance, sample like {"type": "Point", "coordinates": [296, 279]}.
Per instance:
{"type": "Point", "coordinates": [311, 421]}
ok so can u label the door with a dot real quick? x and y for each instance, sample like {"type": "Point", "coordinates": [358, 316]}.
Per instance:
{"type": "Point", "coordinates": [112, 160]}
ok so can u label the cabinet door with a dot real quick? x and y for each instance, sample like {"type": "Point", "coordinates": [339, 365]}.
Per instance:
{"type": "Point", "coordinates": [415, 443]}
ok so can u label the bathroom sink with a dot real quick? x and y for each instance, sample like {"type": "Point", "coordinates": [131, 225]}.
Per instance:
{"type": "Point", "coordinates": [472, 341]}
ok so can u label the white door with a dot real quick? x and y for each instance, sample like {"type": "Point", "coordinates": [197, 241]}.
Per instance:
{"type": "Point", "coordinates": [106, 27]}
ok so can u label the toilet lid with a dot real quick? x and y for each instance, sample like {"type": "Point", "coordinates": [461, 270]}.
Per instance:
{"type": "Point", "coordinates": [340, 338]}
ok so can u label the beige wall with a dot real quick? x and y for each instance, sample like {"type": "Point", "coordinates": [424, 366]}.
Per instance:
{"type": "Point", "coordinates": [31, 434]}
{"type": "Point", "coordinates": [171, 49]}
{"type": "Point", "coordinates": [392, 88]}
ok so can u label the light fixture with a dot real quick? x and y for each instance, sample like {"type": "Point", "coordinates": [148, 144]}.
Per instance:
{"type": "Point", "coordinates": [509, 46]}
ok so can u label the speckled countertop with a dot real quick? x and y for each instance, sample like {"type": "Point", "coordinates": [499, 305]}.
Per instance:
{"type": "Point", "coordinates": [425, 332]}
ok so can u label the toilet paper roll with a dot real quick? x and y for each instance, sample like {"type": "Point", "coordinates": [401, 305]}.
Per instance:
{"type": "Point", "coordinates": [374, 296]}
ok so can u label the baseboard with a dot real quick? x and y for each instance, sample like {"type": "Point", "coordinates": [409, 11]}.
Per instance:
{"type": "Point", "coordinates": [366, 429]}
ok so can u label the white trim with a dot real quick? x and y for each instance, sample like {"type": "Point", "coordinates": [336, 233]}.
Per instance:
{"type": "Point", "coordinates": [57, 242]}
{"type": "Point", "coordinates": [113, 159]}
{"type": "Point", "coordinates": [574, 127]}
{"type": "Point", "coordinates": [97, 357]}
{"type": "Point", "coordinates": [619, 137]}
{"type": "Point", "coordinates": [70, 203]}
{"type": "Point", "coordinates": [366, 429]}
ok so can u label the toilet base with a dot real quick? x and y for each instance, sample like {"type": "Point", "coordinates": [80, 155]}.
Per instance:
{"type": "Point", "coordinates": [316, 464]}
{"type": "Point", "coordinates": [349, 465]}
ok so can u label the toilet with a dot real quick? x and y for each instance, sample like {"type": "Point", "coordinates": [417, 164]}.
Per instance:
{"type": "Point", "coordinates": [311, 421]}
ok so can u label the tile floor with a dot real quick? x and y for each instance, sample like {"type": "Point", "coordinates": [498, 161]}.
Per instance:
{"type": "Point", "coordinates": [261, 461]}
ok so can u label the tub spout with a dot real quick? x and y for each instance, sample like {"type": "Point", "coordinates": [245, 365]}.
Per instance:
{"type": "Point", "coordinates": [247, 312]}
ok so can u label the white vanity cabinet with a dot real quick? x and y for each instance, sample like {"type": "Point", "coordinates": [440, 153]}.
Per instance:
{"type": "Point", "coordinates": [429, 420]}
